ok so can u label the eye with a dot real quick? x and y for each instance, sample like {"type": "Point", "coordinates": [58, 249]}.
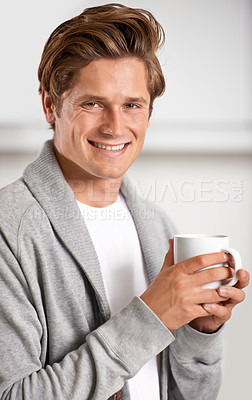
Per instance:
{"type": "Point", "coordinates": [132, 106]}
{"type": "Point", "coordinates": [91, 104]}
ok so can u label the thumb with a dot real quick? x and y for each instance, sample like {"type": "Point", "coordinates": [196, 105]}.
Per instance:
{"type": "Point", "coordinates": [169, 260]}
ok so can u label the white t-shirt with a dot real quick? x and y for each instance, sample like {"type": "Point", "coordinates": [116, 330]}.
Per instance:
{"type": "Point", "coordinates": [116, 242]}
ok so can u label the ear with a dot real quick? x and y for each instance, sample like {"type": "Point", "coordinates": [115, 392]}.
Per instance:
{"type": "Point", "coordinates": [48, 107]}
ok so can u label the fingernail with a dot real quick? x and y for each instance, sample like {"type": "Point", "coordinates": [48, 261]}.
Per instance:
{"type": "Point", "coordinates": [208, 307]}
{"type": "Point", "coordinates": [223, 291]}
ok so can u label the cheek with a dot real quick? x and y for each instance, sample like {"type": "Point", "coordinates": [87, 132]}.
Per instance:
{"type": "Point", "coordinates": [140, 138]}
{"type": "Point", "coordinates": [85, 122]}
{"type": "Point", "coordinates": [139, 123]}
{"type": "Point", "coordinates": [140, 129]}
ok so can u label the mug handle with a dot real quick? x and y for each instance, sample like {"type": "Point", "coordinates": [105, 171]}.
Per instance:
{"type": "Point", "coordinates": [238, 264]}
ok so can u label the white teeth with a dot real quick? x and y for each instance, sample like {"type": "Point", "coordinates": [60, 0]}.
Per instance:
{"type": "Point", "coordinates": [113, 148]}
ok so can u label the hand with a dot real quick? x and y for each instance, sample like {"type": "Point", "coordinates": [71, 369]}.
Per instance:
{"type": "Point", "coordinates": [221, 312]}
{"type": "Point", "coordinates": [176, 295]}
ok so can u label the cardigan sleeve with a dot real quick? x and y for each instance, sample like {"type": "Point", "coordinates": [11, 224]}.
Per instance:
{"type": "Point", "coordinates": [195, 362]}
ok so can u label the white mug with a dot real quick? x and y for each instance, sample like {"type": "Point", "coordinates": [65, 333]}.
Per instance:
{"type": "Point", "coordinates": [190, 245]}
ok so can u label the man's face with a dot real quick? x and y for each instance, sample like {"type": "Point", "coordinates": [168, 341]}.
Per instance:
{"type": "Point", "coordinates": [103, 120]}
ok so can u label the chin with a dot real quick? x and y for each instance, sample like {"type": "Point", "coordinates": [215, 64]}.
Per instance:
{"type": "Point", "coordinates": [110, 173]}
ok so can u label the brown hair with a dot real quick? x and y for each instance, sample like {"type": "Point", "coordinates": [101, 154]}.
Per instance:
{"type": "Point", "coordinates": [108, 31]}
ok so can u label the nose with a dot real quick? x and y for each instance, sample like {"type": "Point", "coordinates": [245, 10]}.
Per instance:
{"type": "Point", "coordinates": [112, 123]}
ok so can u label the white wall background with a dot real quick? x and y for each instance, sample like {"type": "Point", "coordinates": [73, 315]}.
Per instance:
{"type": "Point", "coordinates": [197, 160]}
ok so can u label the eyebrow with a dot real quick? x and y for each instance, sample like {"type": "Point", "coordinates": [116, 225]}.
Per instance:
{"type": "Point", "coordinates": [91, 97]}
{"type": "Point", "coordinates": [137, 100]}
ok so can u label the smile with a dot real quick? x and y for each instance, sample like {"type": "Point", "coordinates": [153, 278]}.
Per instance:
{"type": "Point", "coordinates": [106, 147]}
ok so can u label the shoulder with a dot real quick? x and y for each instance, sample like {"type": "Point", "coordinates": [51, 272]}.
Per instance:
{"type": "Point", "coordinates": [17, 205]}
{"type": "Point", "coordinates": [15, 198]}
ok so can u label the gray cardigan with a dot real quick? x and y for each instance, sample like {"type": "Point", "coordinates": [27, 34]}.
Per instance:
{"type": "Point", "coordinates": [57, 340]}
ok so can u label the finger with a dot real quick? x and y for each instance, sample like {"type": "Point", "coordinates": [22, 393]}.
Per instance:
{"type": "Point", "coordinates": [212, 274]}
{"type": "Point", "coordinates": [204, 260]}
{"type": "Point", "coordinates": [218, 310]}
{"type": "Point", "coordinates": [231, 260]}
{"type": "Point", "coordinates": [234, 295]}
{"type": "Point", "coordinates": [208, 296]}
{"type": "Point", "coordinates": [200, 311]}
{"type": "Point", "coordinates": [243, 279]}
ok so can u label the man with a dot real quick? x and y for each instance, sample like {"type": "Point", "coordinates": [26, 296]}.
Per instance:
{"type": "Point", "coordinates": [86, 312]}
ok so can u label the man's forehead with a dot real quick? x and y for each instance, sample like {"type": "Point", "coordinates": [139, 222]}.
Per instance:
{"type": "Point", "coordinates": [115, 69]}
{"type": "Point", "coordinates": [101, 79]}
